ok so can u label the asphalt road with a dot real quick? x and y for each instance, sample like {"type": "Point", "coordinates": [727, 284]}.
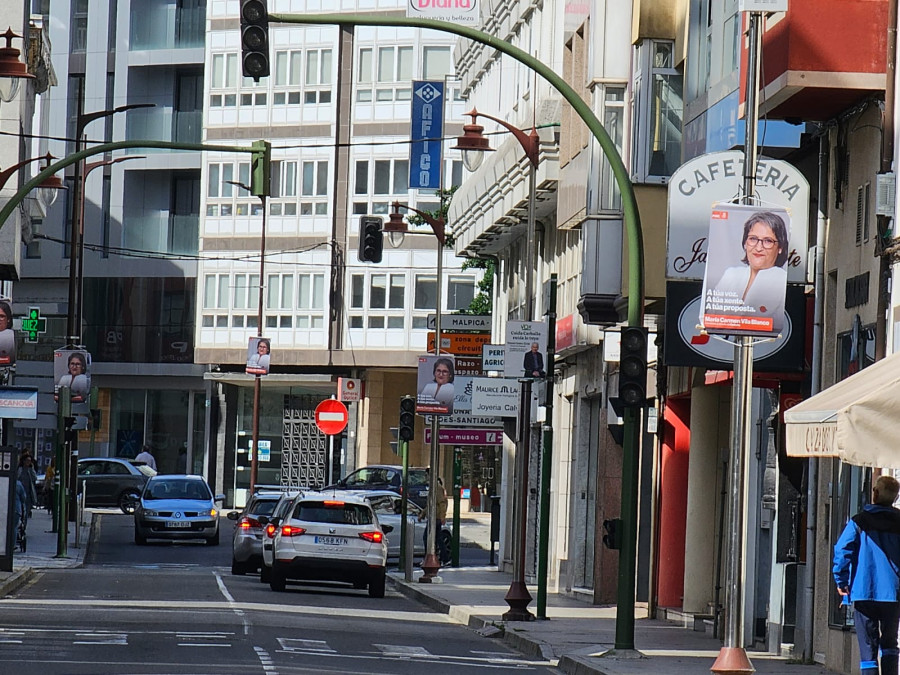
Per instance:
{"type": "Point", "coordinates": [175, 608]}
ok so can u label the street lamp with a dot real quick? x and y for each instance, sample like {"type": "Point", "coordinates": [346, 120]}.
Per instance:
{"type": "Point", "coordinates": [257, 382]}
{"type": "Point", "coordinates": [73, 336]}
{"type": "Point", "coordinates": [12, 70]}
{"type": "Point", "coordinates": [47, 190]}
{"type": "Point", "coordinates": [79, 305]}
{"type": "Point", "coordinates": [431, 564]}
{"type": "Point", "coordinates": [473, 145]}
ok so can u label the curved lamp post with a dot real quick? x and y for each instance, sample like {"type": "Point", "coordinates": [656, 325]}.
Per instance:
{"type": "Point", "coordinates": [12, 70]}
{"type": "Point", "coordinates": [431, 564]}
{"type": "Point", "coordinates": [48, 189]}
{"type": "Point", "coordinates": [473, 145]}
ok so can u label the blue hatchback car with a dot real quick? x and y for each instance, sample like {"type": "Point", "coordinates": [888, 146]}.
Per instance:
{"type": "Point", "coordinates": [177, 507]}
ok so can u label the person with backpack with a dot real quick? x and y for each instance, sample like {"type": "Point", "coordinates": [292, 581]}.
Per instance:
{"type": "Point", "coordinates": [867, 573]}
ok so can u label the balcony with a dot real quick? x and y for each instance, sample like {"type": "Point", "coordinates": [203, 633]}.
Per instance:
{"type": "Point", "coordinates": [158, 24]}
{"type": "Point", "coordinates": [163, 233]}
{"type": "Point", "coordinates": [823, 56]}
{"type": "Point", "coordinates": [164, 124]}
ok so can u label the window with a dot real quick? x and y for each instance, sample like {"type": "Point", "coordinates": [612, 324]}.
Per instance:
{"type": "Point", "coordinates": [378, 291]}
{"type": "Point", "coordinates": [610, 199]}
{"type": "Point", "coordinates": [863, 224]}
{"type": "Point", "coordinates": [361, 184]}
{"type": "Point", "coordinates": [246, 291]}
{"type": "Point", "coordinates": [33, 248]}
{"type": "Point", "coordinates": [386, 307]}
{"type": "Point", "coordinates": [314, 188]}
{"type": "Point", "coordinates": [288, 71]}
{"type": "Point", "coordinates": [79, 25]}
{"type": "Point", "coordinates": [219, 179]}
{"type": "Point", "coordinates": [280, 291]}
{"type": "Point", "coordinates": [436, 63]}
{"type": "Point", "coordinates": [426, 292]}
{"type": "Point", "coordinates": [318, 76]}
{"type": "Point", "coordinates": [284, 179]}
{"type": "Point", "coordinates": [215, 291]}
{"type": "Point", "coordinates": [390, 68]}
{"type": "Point", "coordinates": [224, 71]}
{"type": "Point", "coordinates": [460, 293]}
{"type": "Point", "coordinates": [657, 112]}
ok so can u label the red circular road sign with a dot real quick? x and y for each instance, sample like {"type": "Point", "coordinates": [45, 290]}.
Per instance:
{"type": "Point", "coordinates": [331, 416]}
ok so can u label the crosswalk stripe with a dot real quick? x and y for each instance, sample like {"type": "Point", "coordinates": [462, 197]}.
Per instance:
{"type": "Point", "coordinates": [404, 651]}
{"type": "Point", "coordinates": [293, 645]}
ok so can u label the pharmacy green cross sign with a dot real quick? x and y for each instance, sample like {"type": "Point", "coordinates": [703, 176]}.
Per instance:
{"type": "Point", "coordinates": [33, 324]}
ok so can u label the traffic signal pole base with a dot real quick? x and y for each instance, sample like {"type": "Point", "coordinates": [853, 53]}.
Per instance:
{"type": "Point", "coordinates": [430, 567]}
{"type": "Point", "coordinates": [622, 654]}
{"type": "Point", "coordinates": [518, 597]}
{"type": "Point", "coordinates": [733, 661]}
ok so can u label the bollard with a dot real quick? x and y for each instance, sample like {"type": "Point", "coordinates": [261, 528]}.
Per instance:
{"type": "Point", "coordinates": [408, 552]}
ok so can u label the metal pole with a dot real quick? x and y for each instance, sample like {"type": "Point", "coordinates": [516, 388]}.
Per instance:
{"type": "Point", "coordinates": [257, 383]}
{"type": "Point", "coordinates": [431, 564]}
{"type": "Point", "coordinates": [73, 332]}
{"type": "Point", "coordinates": [546, 458]}
{"type": "Point", "coordinates": [733, 657]}
{"type": "Point", "coordinates": [457, 491]}
{"type": "Point", "coordinates": [404, 505]}
{"type": "Point", "coordinates": [62, 471]}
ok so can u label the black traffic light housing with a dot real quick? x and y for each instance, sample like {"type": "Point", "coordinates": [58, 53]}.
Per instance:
{"type": "Point", "coordinates": [371, 239]}
{"type": "Point", "coordinates": [613, 537]}
{"type": "Point", "coordinates": [254, 39]}
{"type": "Point", "coordinates": [633, 367]}
{"type": "Point", "coordinates": [407, 418]}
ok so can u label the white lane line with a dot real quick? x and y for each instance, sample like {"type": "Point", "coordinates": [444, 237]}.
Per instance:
{"type": "Point", "coordinates": [266, 661]}
{"type": "Point", "coordinates": [405, 652]}
{"type": "Point", "coordinates": [232, 603]}
{"type": "Point", "coordinates": [203, 644]}
{"type": "Point", "coordinates": [10, 642]}
{"type": "Point", "coordinates": [295, 645]}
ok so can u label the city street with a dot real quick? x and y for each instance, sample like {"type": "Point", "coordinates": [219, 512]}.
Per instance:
{"type": "Point", "coordinates": [175, 608]}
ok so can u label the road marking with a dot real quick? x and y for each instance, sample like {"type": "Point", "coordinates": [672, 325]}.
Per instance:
{"type": "Point", "coordinates": [295, 645]}
{"type": "Point", "coordinates": [267, 663]}
{"type": "Point", "coordinates": [404, 652]}
{"type": "Point", "coordinates": [239, 613]}
{"type": "Point", "coordinates": [101, 638]}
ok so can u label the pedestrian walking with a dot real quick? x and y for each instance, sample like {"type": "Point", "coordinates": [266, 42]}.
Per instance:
{"type": "Point", "coordinates": [146, 456]}
{"type": "Point", "coordinates": [867, 573]}
{"type": "Point", "coordinates": [28, 477]}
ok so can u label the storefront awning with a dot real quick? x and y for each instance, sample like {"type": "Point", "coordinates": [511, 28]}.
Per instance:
{"type": "Point", "coordinates": [856, 420]}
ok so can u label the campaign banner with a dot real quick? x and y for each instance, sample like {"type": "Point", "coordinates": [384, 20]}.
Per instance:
{"type": "Point", "coordinates": [7, 334]}
{"type": "Point", "coordinates": [259, 351]}
{"type": "Point", "coordinates": [435, 391]}
{"type": "Point", "coordinates": [746, 270]}
{"type": "Point", "coordinates": [426, 133]}
{"type": "Point", "coordinates": [72, 369]}
{"type": "Point", "coordinates": [526, 342]}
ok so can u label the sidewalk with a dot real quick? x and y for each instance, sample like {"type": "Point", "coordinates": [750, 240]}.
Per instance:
{"type": "Point", "coordinates": [41, 553]}
{"type": "Point", "coordinates": [576, 634]}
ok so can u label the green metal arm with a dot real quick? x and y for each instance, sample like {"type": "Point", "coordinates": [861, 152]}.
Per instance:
{"type": "Point", "coordinates": [17, 198]}
{"type": "Point", "coordinates": [629, 203]}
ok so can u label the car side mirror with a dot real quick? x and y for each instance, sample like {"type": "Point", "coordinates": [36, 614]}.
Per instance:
{"type": "Point", "coordinates": [387, 529]}
{"type": "Point", "coordinates": [220, 498]}
{"type": "Point", "coordinates": [232, 515]}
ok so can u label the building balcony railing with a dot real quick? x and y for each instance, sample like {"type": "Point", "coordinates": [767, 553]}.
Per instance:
{"type": "Point", "coordinates": [163, 233]}
{"type": "Point", "coordinates": [164, 124]}
{"type": "Point", "coordinates": [164, 26]}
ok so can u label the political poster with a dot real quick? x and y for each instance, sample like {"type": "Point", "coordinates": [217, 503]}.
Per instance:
{"type": "Point", "coordinates": [259, 351]}
{"type": "Point", "coordinates": [436, 392]}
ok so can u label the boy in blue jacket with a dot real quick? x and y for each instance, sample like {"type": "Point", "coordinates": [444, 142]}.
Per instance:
{"type": "Point", "coordinates": [867, 568]}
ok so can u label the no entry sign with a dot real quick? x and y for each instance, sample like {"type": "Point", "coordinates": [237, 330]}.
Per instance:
{"type": "Point", "coordinates": [331, 417]}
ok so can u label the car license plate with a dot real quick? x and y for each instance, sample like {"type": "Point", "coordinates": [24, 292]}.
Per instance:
{"type": "Point", "coordinates": [332, 541]}
{"type": "Point", "coordinates": [181, 524]}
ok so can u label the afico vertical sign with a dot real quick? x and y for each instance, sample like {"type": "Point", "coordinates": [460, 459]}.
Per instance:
{"type": "Point", "coordinates": [426, 133]}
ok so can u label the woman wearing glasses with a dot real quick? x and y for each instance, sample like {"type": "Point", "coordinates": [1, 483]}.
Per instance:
{"type": "Point", "coordinates": [7, 335]}
{"type": "Point", "coordinates": [760, 280]}
{"type": "Point", "coordinates": [441, 389]}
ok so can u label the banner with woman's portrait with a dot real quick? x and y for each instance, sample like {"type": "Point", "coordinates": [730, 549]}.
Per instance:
{"type": "Point", "coordinates": [746, 275]}
{"type": "Point", "coordinates": [72, 369]}
{"type": "Point", "coordinates": [259, 351]}
{"type": "Point", "coordinates": [435, 390]}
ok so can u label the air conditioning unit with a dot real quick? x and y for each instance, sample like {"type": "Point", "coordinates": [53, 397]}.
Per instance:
{"type": "Point", "coordinates": [885, 194]}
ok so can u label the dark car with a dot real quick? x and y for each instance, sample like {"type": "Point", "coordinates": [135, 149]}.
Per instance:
{"type": "Point", "coordinates": [387, 477]}
{"type": "Point", "coordinates": [249, 529]}
{"type": "Point", "coordinates": [112, 481]}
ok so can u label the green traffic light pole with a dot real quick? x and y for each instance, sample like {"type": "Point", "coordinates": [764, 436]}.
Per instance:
{"type": "Point", "coordinates": [259, 171]}
{"type": "Point", "coordinates": [632, 222]}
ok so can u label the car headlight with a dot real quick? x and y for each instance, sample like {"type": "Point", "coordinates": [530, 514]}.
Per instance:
{"type": "Point", "coordinates": [151, 513]}
{"type": "Point", "coordinates": [213, 513]}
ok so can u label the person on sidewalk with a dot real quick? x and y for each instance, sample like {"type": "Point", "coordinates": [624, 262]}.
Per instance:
{"type": "Point", "coordinates": [28, 477]}
{"type": "Point", "coordinates": [867, 570]}
{"type": "Point", "coordinates": [47, 488]}
{"type": "Point", "coordinates": [146, 456]}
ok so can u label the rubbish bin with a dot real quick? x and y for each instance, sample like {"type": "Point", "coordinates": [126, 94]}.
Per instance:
{"type": "Point", "coordinates": [495, 524]}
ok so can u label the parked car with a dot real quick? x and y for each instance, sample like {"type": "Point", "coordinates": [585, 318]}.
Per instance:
{"type": "Point", "coordinates": [387, 477]}
{"type": "Point", "coordinates": [323, 538]}
{"type": "Point", "coordinates": [386, 505]}
{"type": "Point", "coordinates": [271, 529]}
{"type": "Point", "coordinates": [177, 507]}
{"type": "Point", "coordinates": [112, 481]}
{"type": "Point", "coordinates": [249, 528]}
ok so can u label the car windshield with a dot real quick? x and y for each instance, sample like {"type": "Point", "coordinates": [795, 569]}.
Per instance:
{"type": "Point", "coordinates": [334, 512]}
{"type": "Point", "coordinates": [417, 478]}
{"type": "Point", "coordinates": [178, 489]}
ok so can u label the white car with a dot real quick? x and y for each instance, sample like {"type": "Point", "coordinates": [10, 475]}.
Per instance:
{"type": "Point", "coordinates": [330, 537]}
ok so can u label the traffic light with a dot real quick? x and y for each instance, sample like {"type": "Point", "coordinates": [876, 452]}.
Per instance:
{"type": "Point", "coordinates": [633, 367]}
{"type": "Point", "coordinates": [255, 39]}
{"type": "Point", "coordinates": [260, 177]}
{"type": "Point", "coordinates": [407, 418]}
{"type": "Point", "coordinates": [371, 239]}
{"type": "Point", "coordinates": [613, 537]}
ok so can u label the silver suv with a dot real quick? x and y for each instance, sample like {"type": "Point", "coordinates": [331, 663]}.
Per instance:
{"type": "Point", "coordinates": [330, 537]}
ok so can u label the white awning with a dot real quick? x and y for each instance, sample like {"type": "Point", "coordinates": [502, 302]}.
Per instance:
{"type": "Point", "coordinates": [857, 419]}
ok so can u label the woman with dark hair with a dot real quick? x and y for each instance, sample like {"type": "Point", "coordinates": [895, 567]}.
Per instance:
{"type": "Point", "coordinates": [441, 389]}
{"type": "Point", "coordinates": [76, 378]}
{"type": "Point", "coordinates": [760, 280]}
{"type": "Point", "coordinates": [260, 360]}
{"type": "Point", "coordinates": [7, 335]}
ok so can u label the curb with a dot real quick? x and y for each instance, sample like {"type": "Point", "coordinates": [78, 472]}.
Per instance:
{"type": "Point", "coordinates": [496, 629]}
{"type": "Point", "coordinates": [16, 580]}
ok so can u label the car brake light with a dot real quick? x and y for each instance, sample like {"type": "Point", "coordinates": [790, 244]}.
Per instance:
{"type": "Point", "coordinates": [374, 537]}
{"type": "Point", "coordinates": [333, 504]}
{"type": "Point", "coordinates": [270, 530]}
{"type": "Point", "coordinates": [246, 523]}
{"type": "Point", "coordinates": [291, 531]}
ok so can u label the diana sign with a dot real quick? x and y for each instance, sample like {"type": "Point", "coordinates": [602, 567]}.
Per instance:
{"type": "Point", "coordinates": [717, 177]}
{"type": "Point", "coordinates": [457, 11]}
{"type": "Point", "coordinates": [426, 131]}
